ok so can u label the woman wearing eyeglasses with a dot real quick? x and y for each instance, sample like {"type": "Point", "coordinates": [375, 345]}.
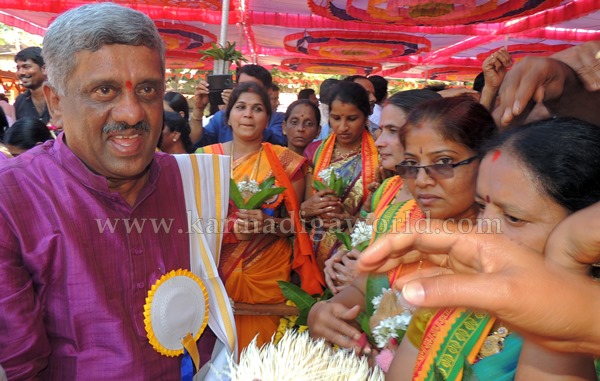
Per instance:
{"type": "Point", "coordinates": [388, 202]}
{"type": "Point", "coordinates": [522, 194]}
{"type": "Point", "coordinates": [442, 140]}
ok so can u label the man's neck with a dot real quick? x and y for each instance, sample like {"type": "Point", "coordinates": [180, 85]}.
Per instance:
{"type": "Point", "coordinates": [129, 189]}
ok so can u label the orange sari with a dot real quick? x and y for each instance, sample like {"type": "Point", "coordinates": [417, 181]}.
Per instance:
{"type": "Point", "coordinates": [360, 171]}
{"type": "Point", "coordinates": [252, 268]}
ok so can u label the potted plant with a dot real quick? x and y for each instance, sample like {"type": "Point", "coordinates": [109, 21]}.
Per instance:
{"type": "Point", "coordinates": [223, 56]}
{"type": "Point", "coordinates": [221, 79]}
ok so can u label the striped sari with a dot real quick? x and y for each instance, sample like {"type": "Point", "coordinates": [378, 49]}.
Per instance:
{"type": "Point", "coordinates": [360, 170]}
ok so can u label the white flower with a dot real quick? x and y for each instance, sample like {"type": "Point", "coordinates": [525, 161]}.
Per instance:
{"type": "Point", "coordinates": [362, 233]}
{"type": "Point", "coordinates": [389, 328]}
{"type": "Point", "coordinates": [249, 186]}
{"type": "Point", "coordinates": [376, 300]}
{"type": "Point", "coordinates": [325, 174]}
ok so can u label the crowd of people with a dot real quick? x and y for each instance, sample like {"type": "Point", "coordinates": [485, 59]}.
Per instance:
{"type": "Point", "coordinates": [129, 237]}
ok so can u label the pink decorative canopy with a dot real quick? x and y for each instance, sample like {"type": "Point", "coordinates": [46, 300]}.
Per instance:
{"type": "Point", "coordinates": [440, 39]}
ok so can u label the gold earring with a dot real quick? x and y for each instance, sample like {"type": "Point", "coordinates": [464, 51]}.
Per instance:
{"type": "Point", "coordinates": [174, 140]}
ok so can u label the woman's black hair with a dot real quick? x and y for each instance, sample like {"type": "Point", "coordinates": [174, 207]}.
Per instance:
{"type": "Point", "coordinates": [298, 102]}
{"type": "Point", "coordinates": [178, 103]}
{"type": "Point", "coordinates": [459, 119]}
{"type": "Point", "coordinates": [563, 154]}
{"type": "Point", "coordinates": [409, 99]}
{"type": "Point", "coordinates": [352, 93]}
{"type": "Point", "coordinates": [248, 87]}
{"type": "Point", "coordinates": [175, 123]}
{"type": "Point", "coordinates": [26, 133]}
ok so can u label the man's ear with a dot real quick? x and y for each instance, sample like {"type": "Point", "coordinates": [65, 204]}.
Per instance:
{"type": "Point", "coordinates": [43, 68]}
{"type": "Point", "coordinates": [54, 105]}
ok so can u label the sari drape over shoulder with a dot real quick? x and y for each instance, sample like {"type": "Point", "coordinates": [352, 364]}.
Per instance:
{"type": "Point", "coordinates": [456, 335]}
{"type": "Point", "coordinates": [252, 268]}
{"type": "Point", "coordinates": [359, 169]}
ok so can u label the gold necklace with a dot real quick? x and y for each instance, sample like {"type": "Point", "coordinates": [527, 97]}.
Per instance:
{"type": "Point", "coordinates": [344, 156]}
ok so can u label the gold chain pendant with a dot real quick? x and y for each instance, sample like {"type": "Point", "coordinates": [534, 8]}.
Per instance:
{"type": "Point", "coordinates": [494, 343]}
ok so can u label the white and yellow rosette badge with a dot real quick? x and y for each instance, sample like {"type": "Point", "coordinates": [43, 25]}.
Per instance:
{"type": "Point", "coordinates": [176, 312]}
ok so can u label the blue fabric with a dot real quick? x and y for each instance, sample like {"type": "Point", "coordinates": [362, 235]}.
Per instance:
{"type": "Point", "coordinates": [501, 366]}
{"type": "Point", "coordinates": [218, 131]}
{"type": "Point", "coordinates": [187, 366]}
{"type": "Point", "coordinates": [324, 134]}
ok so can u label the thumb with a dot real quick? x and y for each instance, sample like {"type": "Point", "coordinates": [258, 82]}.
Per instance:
{"type": "Point", "coordinates": [460, 290]}
{"type": "Point", "coordinates": [351, 314]}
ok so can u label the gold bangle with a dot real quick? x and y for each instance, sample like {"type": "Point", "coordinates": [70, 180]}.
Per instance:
{"type": "Point", "coordinates": [193, 117]}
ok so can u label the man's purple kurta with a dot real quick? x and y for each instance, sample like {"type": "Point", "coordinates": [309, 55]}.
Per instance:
{"type": "Point", "coordinates": [76, 263]}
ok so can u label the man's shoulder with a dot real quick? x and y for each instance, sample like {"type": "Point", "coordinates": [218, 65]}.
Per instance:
{"type": "Point", "coordinates": [22, 97]}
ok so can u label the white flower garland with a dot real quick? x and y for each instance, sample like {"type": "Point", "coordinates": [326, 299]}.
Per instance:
{"type": "Point", "coordinates": [325, 174]}
{"type": "Point", "coordinates": [249, 186]}
{"type": "Point", "coordinates": [390, 327]}
{"type": "Point", "coordinates": [362, 233]}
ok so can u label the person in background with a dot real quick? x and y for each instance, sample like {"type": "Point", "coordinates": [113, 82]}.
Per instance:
{"type": "Point", "coordinates": [31, 71]}
{"type": "Point", "coordinates": [325, 94]}
{"type": "Point", "coordinates": [350, 154]}
{"type": "Point", "coordinates": [175, 135]}
{"type": "Point", "coordinates": [176, 102]}
{"type": "Point", "coordinates": [494, 68]}
{"type": "Point", "coordinates": [277, 115]}
{"type": "Point", "coordinates": [310, 95]}
{"type": "Point", "coordinates": [25, 134]}
{"type": "Point", "coordinates": [368, 86]}
{"type": "Point", "coordinates": [301, 124]}
{"type": "Point", "coordinates": [76, 283]}
{"type": "Point", "coordinates": [218, 131]}
{"type": "Point", "coordinates": [274, 91]}
{"type": "Point", "coordinates": [3, 123]}
{"type": "Point", "coordinates": [565, 84]}
{"type": "Point", "coordinates": [9, 110]}
{"type": "Point", "coordinates": [381, 93]}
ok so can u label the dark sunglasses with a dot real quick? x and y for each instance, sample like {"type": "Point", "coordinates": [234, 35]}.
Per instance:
{"type": "Point", "coordinates": [435, 171]}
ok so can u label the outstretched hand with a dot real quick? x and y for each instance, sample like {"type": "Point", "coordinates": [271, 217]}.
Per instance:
{"type": "Point", "coordinates": [550, 305]}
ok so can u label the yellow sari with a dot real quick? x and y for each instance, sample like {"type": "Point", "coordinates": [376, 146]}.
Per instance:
{"type": "Point", "coordinates": [252, 268]}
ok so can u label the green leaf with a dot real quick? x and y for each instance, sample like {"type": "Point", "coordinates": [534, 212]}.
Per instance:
{"type": "Point", "coordinates": [257, 200]}
{"type": "Point", "coordinates": [363, 320]}
{"type": "Point", "coordinates": [362, 246]}
{"type": "Point", "coordinates": [267, 183]}
{"type": "Point", "coordinates": [235, 195]}
{"type": "Point", "coordinates": [327, 294]}
{"type": "Point", "coordinates": [374, 285]}
{"type": "Point", "coordinates": [303, 300]}
{"type": "Point", "coordinates": [318, 185]}
{"type": "Point", "coordinates": [345, 239]}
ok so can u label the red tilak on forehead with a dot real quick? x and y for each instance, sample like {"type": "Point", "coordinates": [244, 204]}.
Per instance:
{"type": "Point", "coordinates": [487, 198]}
{"type": "Point", "coordinates": [129, 85]}
{"type": "Point", "coordinates": [496, 155]}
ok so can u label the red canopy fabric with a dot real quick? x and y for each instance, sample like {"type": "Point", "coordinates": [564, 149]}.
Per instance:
{"type": "Point", "coordinates": [442, 39]}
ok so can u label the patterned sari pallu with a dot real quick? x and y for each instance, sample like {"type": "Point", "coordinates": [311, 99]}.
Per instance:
{"type": "Point", "coordinates": [252, 268]}
{"type": "Point", "coordinates": [360, 170]}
